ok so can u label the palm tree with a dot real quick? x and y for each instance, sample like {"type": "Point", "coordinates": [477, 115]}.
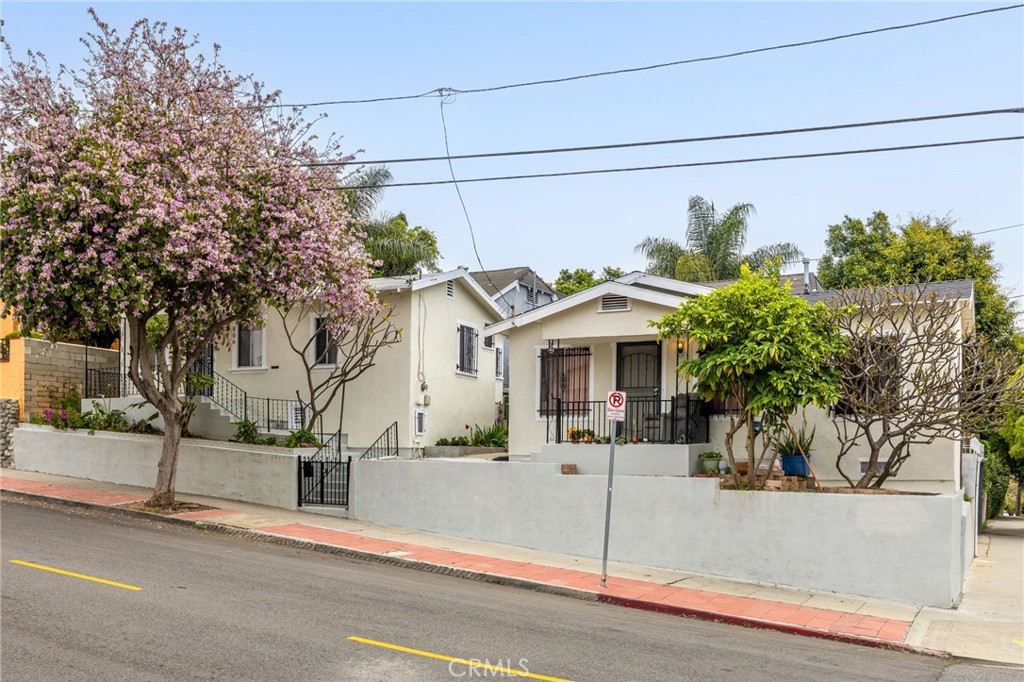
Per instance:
{"type": "Point", "coordinates": [714, 246]}
{"type": "Point", "coordinates": [399, 249]}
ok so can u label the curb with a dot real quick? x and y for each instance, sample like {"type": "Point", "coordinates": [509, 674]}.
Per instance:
{"type": "Point", "coordinates": [745, 621]}
{"type": "Point", "coordinates": [440, 569]}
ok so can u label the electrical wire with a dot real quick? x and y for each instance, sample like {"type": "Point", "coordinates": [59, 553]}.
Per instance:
{"type": "Point", "coordinates": [444, 92]}
{"type": "Point", "coordinates": [465, 212]}
{"type": "Point", "coordinates": [682, 140]}
{"type": "Point", "coordinates": [695, 164]}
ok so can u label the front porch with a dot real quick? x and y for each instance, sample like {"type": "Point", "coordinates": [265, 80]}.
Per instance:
{"type": "Point", "coordinates": [681, 419]}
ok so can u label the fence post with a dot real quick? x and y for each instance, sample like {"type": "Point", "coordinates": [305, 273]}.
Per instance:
{"type": "Point", "coordinates": [299, 489]}
{"type": "Point", "coordinates": [558, 420]}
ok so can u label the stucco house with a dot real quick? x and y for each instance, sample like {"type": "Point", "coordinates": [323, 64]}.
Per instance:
{"type": "Point", "coordinates": [443, 374]}
{"type": "Point", "coordinates": [566, 356]}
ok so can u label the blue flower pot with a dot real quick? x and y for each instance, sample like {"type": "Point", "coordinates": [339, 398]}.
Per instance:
{"type": "Point", "coordinates": [794, 465]}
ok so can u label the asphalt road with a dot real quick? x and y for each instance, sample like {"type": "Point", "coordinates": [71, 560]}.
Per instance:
{"type": "Point", "coordinates": [213, 607]}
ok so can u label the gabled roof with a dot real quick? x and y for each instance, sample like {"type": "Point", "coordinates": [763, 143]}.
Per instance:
{"type": "Point", "coordinates": [494, 281]}
{"type": "Point", "coordinates": [636, 285]}
{"type": "Point", "coordinates": [417, 283]}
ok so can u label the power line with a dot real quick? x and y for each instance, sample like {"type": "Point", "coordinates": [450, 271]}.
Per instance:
{"type": "Point", "coordinates": [698, 164]}
{"type": "Point", "coordinates": [682, 140]}
{"type": "Point", "coordinates": [445, 92]}
{"type": "Point", "coordinates": [998, 229]}
{"type": "Point", "coordinates": [465, 212]}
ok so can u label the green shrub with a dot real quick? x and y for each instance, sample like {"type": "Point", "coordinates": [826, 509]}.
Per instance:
{"type": "Point", "coordinates": [303, 438]}
{"type": "Point", "coordinates": [442, 441]}
{"type": "Point", "coordinates": [495, 436]}
{"type": "Point", "coordinates": [247, 431]}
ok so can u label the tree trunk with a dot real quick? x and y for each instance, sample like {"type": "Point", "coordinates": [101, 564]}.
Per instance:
{"type": "Point", "coordinates": [1016, 506]}
{"type": "Point", "coordinates": [167, 468]}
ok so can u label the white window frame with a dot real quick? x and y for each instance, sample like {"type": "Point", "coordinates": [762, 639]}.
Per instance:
{"type": "Point", "coordinates": [312, 347]}
{"type": "Point", "coordinates": [416, 430]}
{"type": "Point", "coordinates": [484, 345]}
{"type": "Point", "coordinates": [235, 346]}
{"type": "Point", "coordinates": [499, 364]}
{"type": "Point", "coordinates": [862, 466]}
{"type": "Point", "coordinates": [458, 348]}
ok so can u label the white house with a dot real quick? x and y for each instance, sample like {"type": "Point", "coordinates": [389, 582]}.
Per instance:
{"type": "Point", "coordinates": [566, 356]}
{"type": "Point", "coordinates": [442, 375]}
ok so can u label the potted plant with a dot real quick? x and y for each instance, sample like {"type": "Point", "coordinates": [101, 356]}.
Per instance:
{"type": "Point", "coordinates": [575, 434]}
{"type": "Point", "coordinates": [794, 447]}
{"type": "Point", "coordinates": [709, 461]}
{"type": "Point", "coordinates": [588, 435]}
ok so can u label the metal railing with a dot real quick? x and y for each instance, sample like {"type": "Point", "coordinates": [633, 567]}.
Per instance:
{"type": "Point", "coordinates": [280, 414]}
{"type": "Point", "coordinates": [680, 419]}
{"type": "Point", "coordinates": [5, 350]}
{"type": "Point", "coordinates": [386, 446]}
{"type": "Point", "coordinates": [323, 481]}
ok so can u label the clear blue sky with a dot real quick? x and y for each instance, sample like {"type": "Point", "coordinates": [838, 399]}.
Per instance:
{"type": "Point", "coordinates": [347, 51]}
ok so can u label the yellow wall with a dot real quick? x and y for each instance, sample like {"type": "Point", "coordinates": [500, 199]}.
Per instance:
{"type": "Point", "coordinates": [12, 373]}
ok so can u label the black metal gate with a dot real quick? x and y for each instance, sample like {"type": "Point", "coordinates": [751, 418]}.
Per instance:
{"type": "Point", "coordinates": [639, 375]}
{"type": "Point", "coordinates": [324, 481]}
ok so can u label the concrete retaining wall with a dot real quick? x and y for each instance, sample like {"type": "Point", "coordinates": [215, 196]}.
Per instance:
{"type": "Point", "coordinates": [646, 459]}
{"type": "Point", "coordinates": [894, 547]}
{"type": "Point", "coordinates": [261, 475]}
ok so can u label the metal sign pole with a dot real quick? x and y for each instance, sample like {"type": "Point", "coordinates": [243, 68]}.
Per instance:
{"type": "Point", "coordinates": [607, 515]}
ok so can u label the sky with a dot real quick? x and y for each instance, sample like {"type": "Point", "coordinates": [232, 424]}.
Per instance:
{"type": "Point", "coordinates": [331, 51]}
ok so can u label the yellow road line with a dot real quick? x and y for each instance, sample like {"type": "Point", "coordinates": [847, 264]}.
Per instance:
{"type": "Point", "coordinates": [76, 575]}
{"type": "Point", "coordinates": [452, 659]}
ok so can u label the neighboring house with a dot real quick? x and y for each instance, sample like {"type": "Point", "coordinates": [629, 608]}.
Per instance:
{"type": "Point", "coordinates": [442, 375]}
{"type": "Point", "coordinates": [515, 291]}
{"type": "Point", "coordinates": [565, 357]}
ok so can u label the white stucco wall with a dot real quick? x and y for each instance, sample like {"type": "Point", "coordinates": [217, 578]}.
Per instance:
{"type": "Point", "coordinates": [649, 459]}
{"type": "Point", "coordinates": [902, 548]}
{"type": "Point", "coordinates": [261, 475]}
{"type": "Point", "coordinates": [390, 391]}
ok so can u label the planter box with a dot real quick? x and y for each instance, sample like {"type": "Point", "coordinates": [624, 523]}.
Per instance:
{"type": "Point", "coordinates": [460, 450]}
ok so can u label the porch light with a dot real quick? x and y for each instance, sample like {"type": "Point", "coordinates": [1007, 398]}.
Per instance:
{"type": "Point", "coordinates": [680, 346]}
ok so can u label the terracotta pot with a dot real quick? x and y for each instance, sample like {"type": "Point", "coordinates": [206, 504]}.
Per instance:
{"type": "Point", "coordinates": [742, 467]}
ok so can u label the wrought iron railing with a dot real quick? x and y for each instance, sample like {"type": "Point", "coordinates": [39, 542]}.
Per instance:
{"type": "Point", "coordinates": [680, 419]}
{"type": "Point", "coordinates": [5, 350]}
{"type": "Point", "coordinates": [386, 446]}
{"type": "Point", "coordinates": [280, 414]}
{"type": "Point", "coordinates": [324, 481]}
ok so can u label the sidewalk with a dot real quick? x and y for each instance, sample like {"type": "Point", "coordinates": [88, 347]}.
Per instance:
{"type": "Point", "coordinates": [826, 615]}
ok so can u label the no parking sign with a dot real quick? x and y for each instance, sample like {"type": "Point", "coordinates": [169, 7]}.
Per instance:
{"type": "Point", "coordinates": [615, 410]}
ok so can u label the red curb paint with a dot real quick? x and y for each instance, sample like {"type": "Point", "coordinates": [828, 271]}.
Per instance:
{"type": "Point", "coordinates": [787, 628]}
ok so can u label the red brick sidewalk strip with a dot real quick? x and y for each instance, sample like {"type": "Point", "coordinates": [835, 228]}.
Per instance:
{"type": "Point", "coordinates": [627, 592]}
{"type": "Point", "coordinates": [64, 493]}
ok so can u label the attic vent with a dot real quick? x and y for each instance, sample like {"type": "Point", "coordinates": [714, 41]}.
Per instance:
{"type": "Point", "coordinates": [614, 303]}
{"type": "Point", "coordinates": [449, 289]}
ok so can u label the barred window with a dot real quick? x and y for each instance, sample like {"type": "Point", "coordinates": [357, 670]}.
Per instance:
{"type": "Point", "coordinates": [467, 349]}
{"type": "Point", "coordinates": [565, 376]}
{"type": "Point", "coordinates": [325, 347]}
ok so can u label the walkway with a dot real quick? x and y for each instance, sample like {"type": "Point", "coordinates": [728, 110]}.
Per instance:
{"type": "Point", "coordinates": [827, 615]}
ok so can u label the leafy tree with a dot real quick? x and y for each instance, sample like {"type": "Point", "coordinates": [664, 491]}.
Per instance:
{"type": "Point", "coordinates": [153, 181]}
{"type": "Point", "coordinates": [571, 281]}
{"type": "Point", "coordinates": [714, 246]}
{"type": "Point", "coordinates": [874, 252]}
{"type": "Point", "coordinates": [768, 350]}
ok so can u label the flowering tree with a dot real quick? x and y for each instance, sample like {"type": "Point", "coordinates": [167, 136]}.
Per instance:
{"type": "Point", "coordinates": [153, 181]}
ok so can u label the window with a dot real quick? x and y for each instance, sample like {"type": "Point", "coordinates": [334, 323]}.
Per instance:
{"type": "Point", "coordinates": [489, 342]}
{"type": "Point", "coordinates": [419, 425]}
{"type": "Point", "coordinates": [871, 372]}
{"type": "Point", "coordinates": [449, 289]}
{"type": "Point", "coordinates": [499, 363]}
{"type": "Point", "coordinates": [730, 405]}
{"type": "Point", "coordinates": [565, 376]}
{"type": "Point", "coordinates": [531, 296]}
{"type": "Point", "coordinates": [249, 347]}
{"type": "Point", "coordinates": [862, 466]}
{"type": "Point", "coordinates": [467, 350]}
{"type": "Point", "coordinates": [325, 349]}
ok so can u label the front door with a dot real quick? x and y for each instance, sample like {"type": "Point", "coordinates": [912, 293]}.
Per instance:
{"type": "Point", "coordinates": [639, 376]}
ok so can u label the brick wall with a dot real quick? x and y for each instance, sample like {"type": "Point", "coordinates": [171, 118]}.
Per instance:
{"type": "Point", "coordinates": [57, 367]}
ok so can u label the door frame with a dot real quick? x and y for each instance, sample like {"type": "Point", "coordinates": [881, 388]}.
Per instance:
{"type": "Point", "coordinates": [618, 364]}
